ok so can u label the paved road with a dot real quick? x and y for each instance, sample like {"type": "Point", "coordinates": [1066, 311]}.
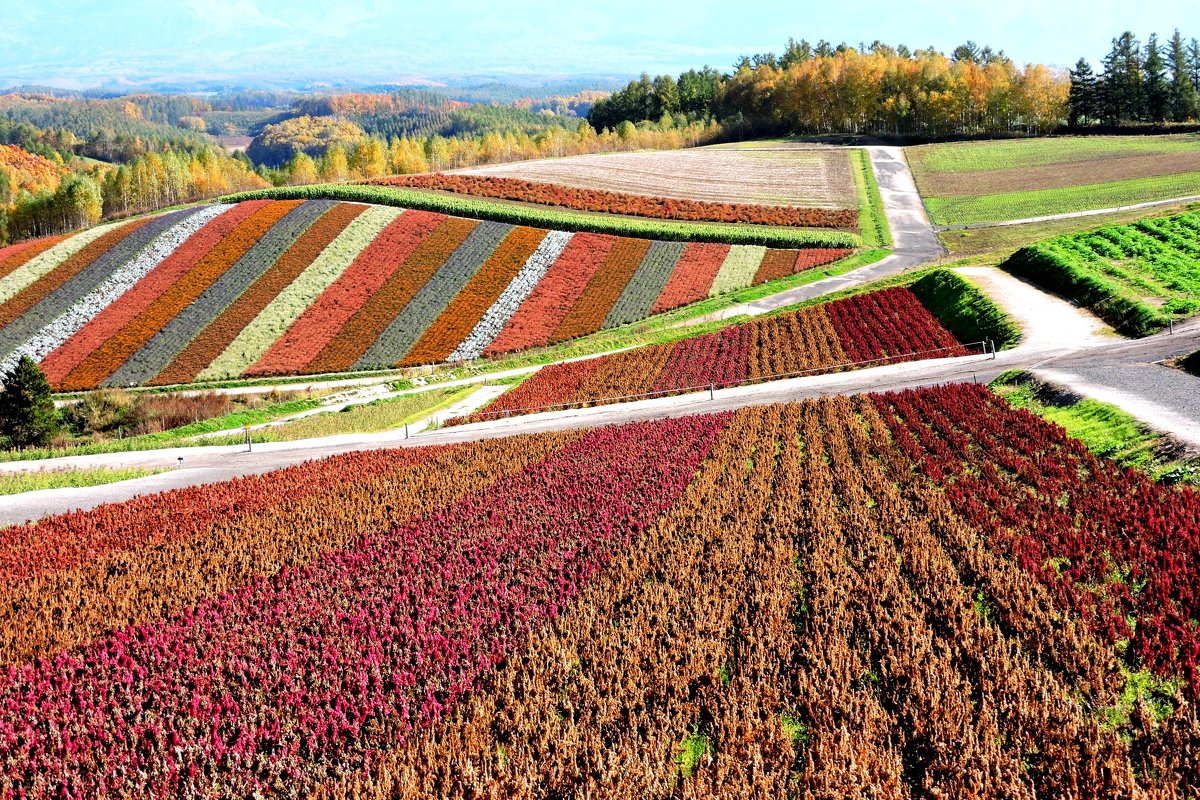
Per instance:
{"type": "Point", "coordinates": [1070, 215]}
{"type": "Point", "coordinates": [914, 241]}
{"type": "Point", "coordinates": [208, 464]}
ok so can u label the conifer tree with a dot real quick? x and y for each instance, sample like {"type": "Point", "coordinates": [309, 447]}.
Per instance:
{"type": "Point", "coordinates": [28, 417]}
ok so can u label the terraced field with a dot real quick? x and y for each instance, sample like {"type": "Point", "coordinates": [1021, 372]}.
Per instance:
{"type": "Point", "coordinates": [287, 287]}
{"type": "Point", "coordinates": [769, 174]}
{"type": "Point", "coordinates": [970, 182]}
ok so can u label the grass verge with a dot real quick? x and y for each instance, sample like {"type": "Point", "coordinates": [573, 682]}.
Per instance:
{"type": "Point", "coordinates": [176, 437]}
{"type": "Point", "coordinates": [1044, 202]}
{"type": "Point", "coordinates": [965, 311]}
{"type": "Point", "coordinates": [19, 482]}
{"type": "Point", "coordinates": [380, 415]}
{"type": "Point", "coordinates": [769, 236]}
{"type": "Point", "coordinates": [1105, 429]}
{"type": "Point", "coordinates": [872, 221]}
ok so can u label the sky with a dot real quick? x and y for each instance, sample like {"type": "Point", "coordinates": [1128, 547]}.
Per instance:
{"type": "Point", "coordinates": [80, 43]}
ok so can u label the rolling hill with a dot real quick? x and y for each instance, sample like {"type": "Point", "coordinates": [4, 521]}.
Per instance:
{"type": "Point", "coordinates": [291, 287]}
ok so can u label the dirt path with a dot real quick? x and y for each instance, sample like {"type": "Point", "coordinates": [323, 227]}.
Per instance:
{"type": "Point", "coordinates": [1043, 318]}
{"type": "Point", "coordinates": [1070, 215]}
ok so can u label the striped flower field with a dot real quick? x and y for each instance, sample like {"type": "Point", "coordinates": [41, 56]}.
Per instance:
{"type": "Point", "coordinates": [290, 287]}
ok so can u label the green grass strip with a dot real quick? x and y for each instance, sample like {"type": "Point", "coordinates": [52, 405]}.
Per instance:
{"type": "Point", "coordinates": [965, 311]}
{"type": "Point", "coordinates": [872, 221]}
{"type": "Point", "coordinates": [1106, 430]}
{"type": "Point", "coordinates": [18, 482]}
{"type": "Point", "coordinates": [1045, 202]}
{"type": "Point", "coordinates": [558, 219]}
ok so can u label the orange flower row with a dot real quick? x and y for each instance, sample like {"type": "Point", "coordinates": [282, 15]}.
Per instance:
{"type": "Point", "coordinates": [32, 294]}
{"type": "Point", "coordinates": [611, 202]}
{"type": "Point", "coordinates": [103, 361]}
{"type": "Point", "coordinates": [322, 320]}
{"type": "Point", "coordinates": [59, 364]}
{"type": "Point", "coordinates": [466, 309]}
{"type": "Point", "coordinates": [17, 255]}
{"type": "Point", "coordinates": [369, 321]}
{"type": "Point", "coordinates": [225, 328]}
{"type": "Point", "coordinates": [603, 290]}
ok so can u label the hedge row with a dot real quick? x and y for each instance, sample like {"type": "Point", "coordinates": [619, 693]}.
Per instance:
{"type": "Point", "coordinates": [560, 220]}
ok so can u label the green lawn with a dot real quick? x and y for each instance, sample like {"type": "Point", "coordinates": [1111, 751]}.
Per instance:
{"type": "Point", "coordinates": [18, 482]}
{"type": "Point", "coordinates": [1045, 202]}
{"type": "Point", "coordinates": [872, 222]}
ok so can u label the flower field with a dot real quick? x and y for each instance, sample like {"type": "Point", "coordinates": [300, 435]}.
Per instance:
{"type": "Point", "coordinates": [889, 325]}
{"type": "Point", "coordinates": [286, 287]}
{"type": "Point", "coordinates": [610, 202]}
{"type": "Point", "coordinates": [917, 594]}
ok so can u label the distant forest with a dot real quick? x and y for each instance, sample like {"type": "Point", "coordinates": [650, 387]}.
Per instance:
{"type": "Point", "coordinates": [885, 90]}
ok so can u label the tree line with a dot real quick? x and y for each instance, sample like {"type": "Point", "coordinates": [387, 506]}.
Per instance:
{"type": "Point", "coordinates": [876, 89]}
{"type": "Point", "coordinates": [1156, 83]}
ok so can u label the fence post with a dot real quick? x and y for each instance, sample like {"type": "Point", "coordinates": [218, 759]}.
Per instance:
{"type": "Point", "coordinates": [711, 388]}
{"type": "Point", "coordinates": [406, 430]}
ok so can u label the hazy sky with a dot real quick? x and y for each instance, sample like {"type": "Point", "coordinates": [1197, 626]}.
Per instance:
{"type": "Point", "coordinates": [88, 41]}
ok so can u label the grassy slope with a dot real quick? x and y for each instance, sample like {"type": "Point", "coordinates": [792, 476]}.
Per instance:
{"type": "Point", "coordinates": [979, 158]}
{"type": "Point", "coordinates": [1137, 295]}
{"type": "Point", "coordinates": [1106, 430]}
{"type": "Point", "coordinates": [19, 482]}
{"type": "Point", "coordinates": [461, 205]}
{"type": "Point", "coordinates": [1044, 202]}
{"type": "Point", "coordinates": [965, 311]}
{"type": "Point", "coordinates": [872, 222]}
{"type": "Point", "coordinates": [985, 242]}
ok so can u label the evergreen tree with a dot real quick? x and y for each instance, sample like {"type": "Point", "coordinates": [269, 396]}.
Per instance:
{"type": "Point", "coordinates": [1123, 85]}
{"type": "Point", "coordinates": [1084, 97]}
{"type": "Point", "coordinates": [1185, 99]}
{"type": "Point", "coordinates": [1158, 91]}
{"type": "Point", "coordinates": [28, 417]}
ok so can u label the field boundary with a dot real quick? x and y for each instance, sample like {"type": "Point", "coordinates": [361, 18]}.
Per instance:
{"type": "Point", "coordinates": [1195, 198]}
{"type": "Point", "coordinates": [556, 219]}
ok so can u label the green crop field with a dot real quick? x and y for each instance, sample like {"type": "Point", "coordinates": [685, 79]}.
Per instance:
{"type": "Point", "coordinates": [973, 182]}
{"type": "Point", "coordinates": [1045, 202]}
{"type": "Point", "coordinates": [1136, 277]}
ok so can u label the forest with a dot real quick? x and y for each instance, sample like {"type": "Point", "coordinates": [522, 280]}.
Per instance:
{"type": "Point", "coordinates": [884, 90]}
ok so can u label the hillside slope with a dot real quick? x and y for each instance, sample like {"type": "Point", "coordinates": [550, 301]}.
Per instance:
{"type": "Point", "coordinates": [286, 287]}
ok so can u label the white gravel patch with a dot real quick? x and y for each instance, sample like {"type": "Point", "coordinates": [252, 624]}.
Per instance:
{"type": "Point", "coordinates": [522, 285]}
{"type": "Point", "coordinates": [59, 330]}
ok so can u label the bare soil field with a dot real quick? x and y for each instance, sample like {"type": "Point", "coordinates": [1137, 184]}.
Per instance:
{"type": "Point", "coordinates": [775, 174]}
{"type": "Point", "coordinates": [1056, 176]}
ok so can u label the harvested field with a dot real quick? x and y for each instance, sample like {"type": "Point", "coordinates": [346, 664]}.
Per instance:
{"type": "Point", "coordinates": [777, 174]}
